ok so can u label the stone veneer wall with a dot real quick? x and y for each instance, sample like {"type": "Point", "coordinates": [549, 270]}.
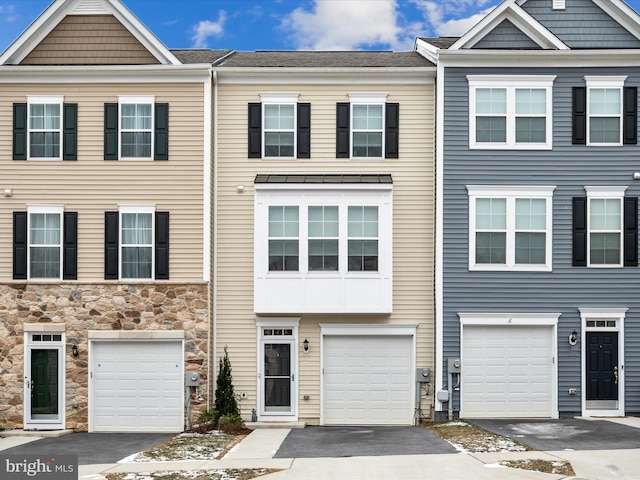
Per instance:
{"type": "Point", "coordinates": [96, 307]}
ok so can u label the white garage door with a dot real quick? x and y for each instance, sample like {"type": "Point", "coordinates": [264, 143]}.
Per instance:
{"type": "Point", "coordinates": [137, 386]}
{"type": "Point", "coordinates": [507, 372]}
{"type": "Point", "coordinates": [367, 380]}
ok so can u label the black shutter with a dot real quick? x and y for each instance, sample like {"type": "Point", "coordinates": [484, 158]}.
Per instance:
{"type": "Point", "coordinates": [19, 245]}
{"type": "Point", "coordinates": [162, 245]}
{"type": "Point", "coordinates": [630, 129]}
{"type": "Point", "coordinates": [70, 252]}
{"type": "Point", "coordinates": [579, 136]}
{"type": "Point", "coordinates": [161, 132]}
{"type": "Point", "coordinates": [20, 131]}
{"type": "Point", "coordinates": [255, 130]}
{"type": "Point", "coordinates": [631, 231]}
{"type": "Point", "coordinates": [391, 130]}
{"type": "Point", "coordinates": [579, 231]}
{"type": "Point", "coordinates": [304, 130]}
{"type": "Point", "coordinates": [343, 127]}
{"type": "Point", "coordinates": [111, 227]}
{"type": "Point", "coordinates": [70, 131]}
{"type": "Point", "coordinates": [111, 131]}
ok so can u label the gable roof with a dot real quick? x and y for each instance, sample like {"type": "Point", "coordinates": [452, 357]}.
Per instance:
{"type": "Point", "coordinates": [60, 9]}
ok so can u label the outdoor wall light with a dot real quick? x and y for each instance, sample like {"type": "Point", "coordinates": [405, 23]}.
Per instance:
{"type": "Point", "coordinates": [8, 192]}
{"type": "Point", "coordinates": [573, 338]}
{"type": "Point", "coordinates": [74, 350]}
{"type": "Point", "coordinates": [305, 346]}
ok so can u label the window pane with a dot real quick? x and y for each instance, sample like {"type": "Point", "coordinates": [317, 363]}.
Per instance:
{"type": "Point", "coordinates": [605, 248]}
{"type": "Point", "coordinates": [323, 221]}
{"type": "Point", "coordinates": [531, 214]}
{"type": "Point", "coordinates": [136, 144]}
{"type": "Point", "coordinates": [605, 214]}
{"type": "Point", "coordinates": [283, 255]}
{"type": "Point", "coordinates": [323, 255]}
{"type": "Point", "coordinates": [44, 144]}
{"type": "Point", "coordinates": [491, 129]}
{"type": "Point", "coordinates": [604, 130]}
{"type": "Point", "coordinates": [279, 117]}
{"type": "Point", "coordinates": [44, 229]}
{"type": "Point", "coordinates": [44, 262]}
{"type": "Point", "coordinates": [136, 262]}
{"type": "Point", "coordinates": [491, 248]}
{"type": "Point", "coordinates": [367, 117]}
{"type": "Point", "coordinates": [278, 144]}
{"type": "Point", "coordinates": [531, 130]}
{"type": "Point", "coordinates": [530, 248]}
{"type": "Point", "coordinates": [362, 221]}
{"type": "Point", "coordinates": [367, 144]}
{"type": "Point", "coordinates": [531, 101]}
{"type": "Point", "coordinates": [491, 101]}
{"type": "Point", "coordinates": [604, 101]}
{"type": "Point", "coordinates": [491, 213]}
{"type": "Point", "coordinates": [135, 116]}
{"type": "Point", "coordinates": [137, 229]}
{"type": "Point", "coordinates": [363, 255]}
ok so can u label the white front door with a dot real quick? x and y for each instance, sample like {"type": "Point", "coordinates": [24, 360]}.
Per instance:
{"type": "Point", "coordinates": [44, 381]}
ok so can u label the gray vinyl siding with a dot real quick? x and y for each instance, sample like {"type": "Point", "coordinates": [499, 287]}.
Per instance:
{"type": "Point", "coordinates": [565, 289]}
{"type": "Point", "coordinates": [582, 24]}
{"type": "Point", "coordinates": [506, 34]}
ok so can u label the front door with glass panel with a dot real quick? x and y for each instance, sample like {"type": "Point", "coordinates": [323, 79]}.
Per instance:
{"type": "Point", "coordinates": [277, 383]}
{"type": "Point", "coordinates": [43, 382]}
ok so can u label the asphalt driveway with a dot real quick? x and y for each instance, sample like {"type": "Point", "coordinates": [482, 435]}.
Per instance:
{"type": "Point", "coordinates": [92, 448]}
{"type": "Point", "coordinates": [315, 442]}
{"type": "Point", "coordinates": [565, 434]}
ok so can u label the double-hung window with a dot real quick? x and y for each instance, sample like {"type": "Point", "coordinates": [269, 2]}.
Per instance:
{"type": "Point", "coordinates": [136, 243]}
{"type": "Point", "coordinates": [604, 110]}
{"type": "Point", "coordinates": [45, 127]}
{"type": "Point", "coordinates": [510, 112]}
{"type": "Point", "coordinates": [279, 127]}
{"type": "Point", "coordinates": [284, 249]}
{"type": "Point", "coordinates": [45, 242]}
{"type": "Point", "coordinates": [363, 238]}
{"type": "Point", "coordinates": [510, 228]}
{"type": "Point", "coordinates": [324, 234]}
{"type": "Point", "coordinates": [367, 129]}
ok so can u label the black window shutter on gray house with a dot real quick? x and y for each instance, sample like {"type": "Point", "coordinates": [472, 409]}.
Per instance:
{"type": "Point", "coordinates": [630, 129]}
{"type": "Point", "coordinates": [631, 231]}
{"type": "Point", "coordinates": [343, 127]}
{"type": "Point", "coordinates": [579, 232]}
{"type": "Point", "coordinates": [162, 246]}
{"type": "Point", "coordinates": [304, 130]}
{"type": "Point", "coordinates": [19, 245]}
{"type": "Point", "coordinates": [70, 252]}
{"type": "Point", "coordinates": [392, 130]}
{"type": "Point", "coordinates": [70, 131]}
{"type": "Point", "coordinates": [579, 131]}
{"type": "Point", "coordinates": [255, 130]}
{"type": "Point", "coordinates": [20, 132]}
{"type": "Point", "coordinates": [111, 227]}
{"type": "Point", "coordinates": [161, 131]}
{"type": "Point", "coordinates": [111, 131]}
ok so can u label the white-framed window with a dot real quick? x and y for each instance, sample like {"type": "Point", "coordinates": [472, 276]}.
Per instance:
{"type": "Point", "coordinates": [284, 244]}
{"type": "Point", "coordinates": [362, 235]}
{"type": "Point", "coordinates": [510, 228]}
{"type": "Point", "coordinates": [604, 110]}
{"type": "Point", "coordinates": [136, 127]}
{"type": "Point", "coordinates": [136, 242]}
{"type": "Point", "coordinates": [44, 237]}
{"type": "Point", "coordinates": [324, 236]}
{"type": "Point", "coordinates": [45, 127]}
{"type": "Point", "coordinates": [510, 112]}
{"type": "Point", "coordinates": [367, 125]}
{"type": "Point", "coordinates": [279, 115]}
{"type": "Point", "coordinates": [605, 226]}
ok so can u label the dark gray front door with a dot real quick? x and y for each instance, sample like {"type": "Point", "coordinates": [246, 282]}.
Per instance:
{"type": "Point", "coordinates": [602, 366]}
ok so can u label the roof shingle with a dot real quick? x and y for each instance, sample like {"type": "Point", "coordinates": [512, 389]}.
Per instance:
{"type": "Point", "coordinates": [311, 59]}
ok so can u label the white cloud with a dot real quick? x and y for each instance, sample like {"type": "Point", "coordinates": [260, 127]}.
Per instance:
{"type": "Point", "coordinates": [345, 25]}
{"type": "Point", "coordinates": [8, 13]}
{"type": "Point", "coordinates": [453, 18]}
{"type": "Point", "coordinates": [206, 28]}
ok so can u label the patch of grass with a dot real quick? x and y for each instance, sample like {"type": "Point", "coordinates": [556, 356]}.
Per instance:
{"type": "Point", "coordinates": [558, 467]}
{"type": "Point", "coordinates": [469, 438]}
{"type": "Point", "coordinates": [229, 474]}
{"type": "Point", "coordinates": [191, 446]}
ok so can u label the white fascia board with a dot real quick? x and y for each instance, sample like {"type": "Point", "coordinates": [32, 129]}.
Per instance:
{"type": "Point", "coordinates": [428, 51]}
{"type": "Point", "coordinates": [56, 12]}
{"type": "Point", "coordinates": [621, 13]}
{"type": "Point", "coordinates": [189, 73]}
{"type": "Point", "coordinates": [325, 76]}
{"type": "Point", "coordinates": [510, 10]}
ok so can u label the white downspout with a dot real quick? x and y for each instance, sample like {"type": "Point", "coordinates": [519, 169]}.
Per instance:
{"type": "Point", "coordinates": [214, 246]}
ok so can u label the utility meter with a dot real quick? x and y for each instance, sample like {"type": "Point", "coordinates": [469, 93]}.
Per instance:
{"type": "Point", "coordinates": [192, 379]}
{"type": "Point", "coordinates": [454, 365]}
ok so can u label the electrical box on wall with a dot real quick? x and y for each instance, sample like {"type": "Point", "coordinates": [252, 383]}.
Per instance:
{"type": "Point", "coordinates": [191, 379]}
{"type": "Point", "coordinates": [423, 375]}
{"type": "Point", "coordinates": [454, 365]}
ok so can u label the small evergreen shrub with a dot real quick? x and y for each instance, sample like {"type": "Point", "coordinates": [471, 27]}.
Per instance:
{"type": "Point", "coordinates": [230, 423]}
{"type": "Point", "coordinates": [226, 403]}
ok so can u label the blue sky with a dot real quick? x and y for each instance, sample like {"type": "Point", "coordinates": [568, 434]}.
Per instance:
{"type": "Point", "coordinates": [283, 24]}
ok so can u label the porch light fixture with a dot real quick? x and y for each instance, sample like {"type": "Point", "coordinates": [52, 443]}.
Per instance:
{"type": "Point", "coordinates": [74, 350]}
{"type": "Point", "coordinates": [305, 346]}
{"type": "Point", "coordinates": [573, 338]}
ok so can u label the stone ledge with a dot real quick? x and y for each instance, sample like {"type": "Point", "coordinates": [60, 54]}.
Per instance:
{"type": "Point", "coordinates": [35, 433]}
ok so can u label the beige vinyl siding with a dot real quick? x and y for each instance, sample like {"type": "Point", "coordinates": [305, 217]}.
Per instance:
{"type": "Point", "coordinates": [91, 185]}
{"type": "Point", "coordinates": [89, 40]}
{"type": "Point", "coordinates": [413, 224]}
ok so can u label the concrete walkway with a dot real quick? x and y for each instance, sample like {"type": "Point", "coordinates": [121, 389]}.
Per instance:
{"type": "Point", "coordinates": [257, 450]}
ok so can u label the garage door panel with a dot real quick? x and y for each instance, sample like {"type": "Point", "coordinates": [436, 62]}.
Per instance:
{"type": "Point", "coordinates": [137, 386]}
{"type": "Point", "coordinates": [367, 380]}
{"type": "Point", "coordinates": [507, 371]}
